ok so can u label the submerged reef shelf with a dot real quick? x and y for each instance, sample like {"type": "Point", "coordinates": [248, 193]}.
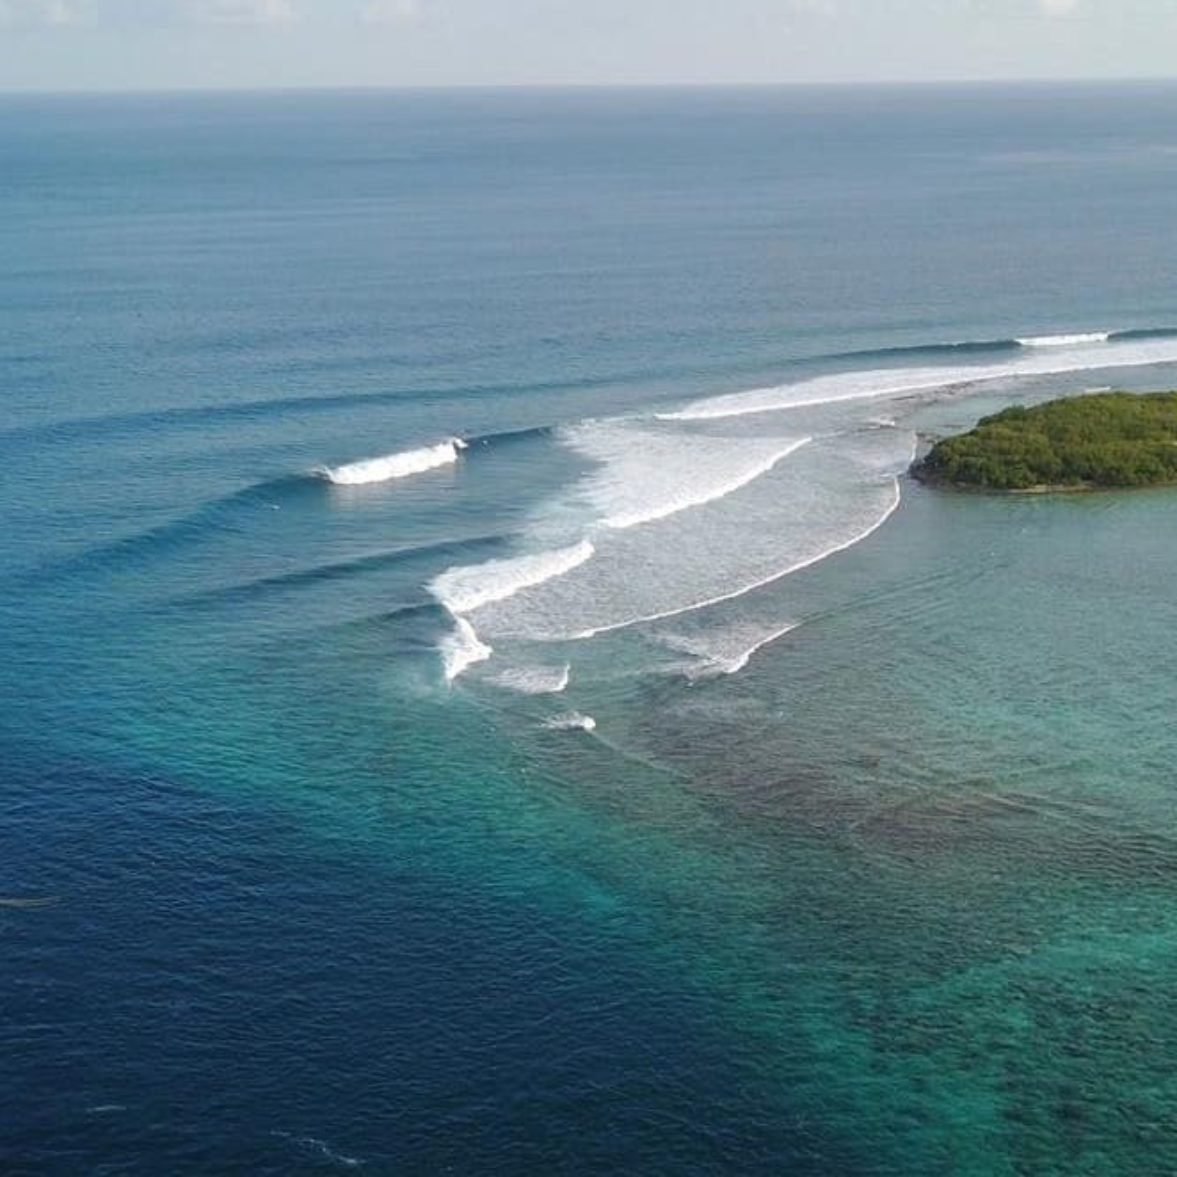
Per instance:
{"type": "Point", "coordinates": [1097, 441]}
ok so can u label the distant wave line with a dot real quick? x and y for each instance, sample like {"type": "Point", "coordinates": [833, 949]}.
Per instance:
{"type": "Point", "coordinates": [982, 346]}
{"type": "Point", "coordinates": [887, 382]}
{"type": "Point", "coordinates": [1065, 340]}
{"type": "Point", "coordinates": [341, 569]}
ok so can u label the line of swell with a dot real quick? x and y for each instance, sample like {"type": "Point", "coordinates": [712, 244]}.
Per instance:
{"type": "Point", "coordinates": [268, 493]}
{"type": "Point", "coordinates": [915, 350]}
{"type": "Point", "coordinates": [342, 570]}
{"type": "Point", "coordinates": [185, 416]}
{"type": "Point", "coordinates": [1143, 333]}
{"type": "Point", "coordinates": [990, 346]}
{"type": "Point", "coordinates": [893, 382]}
{"type": "Point", "coordinates": [164, 537]}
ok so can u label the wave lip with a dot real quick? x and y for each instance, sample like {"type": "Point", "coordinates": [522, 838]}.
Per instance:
{"type": "Point", "coordinates": [390, 466]}
{"type": "Point", "coordinates": [636, 516]}
{"type": "Point", "coordinates": [463, 589]}
{"type": "Point", "coordinates": [1072, 340]}
{"type": "Point", "coordinates": [461, 649]}
{"type": "Point", "coordinates": [470, 586]}
{"type": "Point", "coordinates": [716, 656]}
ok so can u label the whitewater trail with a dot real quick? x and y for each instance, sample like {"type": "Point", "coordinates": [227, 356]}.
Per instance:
{"type": "Point", "coordinates": [691, 606]}
{"type": "Point", "coordinates": [1065, 340]}
{"type": "Point", "coordinates": [465, 589]}
{"type": "Point", "coordinates": [391, 466]}
{"type": "Point", "coordinates": [471, 586]}
{"type": "Point", "coordinates": [535, 680]}
{"type": "Point", "coordinates": [645, 474]}
{"type": "Point", "coordinates": [1043, 356]}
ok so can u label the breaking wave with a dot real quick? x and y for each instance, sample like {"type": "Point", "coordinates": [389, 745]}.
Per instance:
{"type": "Point", "coordinates": [647, 474]}
{"type": "Point", "coordinates": [741, 590]}
{"type": "Point", "coordinates": [468, 587]}
{"type": "Point", "coordinates": [692, 508]}
{"type": "Point", "coordinates": [1037, 356]}
{"type": "Point", "coordinates": [724, 649]}
{"type": "Point", "coordinates": [401, 465]}
{"type": "Point", "coordinates": [461, 649]}
{"type": "Point", "coordinates": [1065, 340]}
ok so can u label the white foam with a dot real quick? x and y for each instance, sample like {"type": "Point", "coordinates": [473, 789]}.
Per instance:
{"type": "Point", "coordinates": [1043, 356]}
{"type": "Point", "coordinates": [1066, 340]}
{"type": "Point", "coordinates": [570, 722]}
{"type": "Point", "coordinates": [743, 589]}
{"type": "Point", "coordinates": [535, 680]}
{"type": "Point", "coordinates": [843, 487]}
{"type": "Point", "coordinates": [822, 390]}
{"type": "Point", "coordinates": [401, 465]}
{"type": "Point", "coordinates": [470, 586]}
{"type": "Point", "coordinates": [461, 649]}
{"type": "Point", "coordinates": [725, 649]}
{"type": "Point", "coordinates": [649, 474]}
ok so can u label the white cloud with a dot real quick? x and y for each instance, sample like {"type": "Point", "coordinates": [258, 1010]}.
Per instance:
{"type": "Point", "coordinates": [55, 13]}
{"type": "Point", "coordinates": [391, 12]}
{"type": "Point", "coordinates": [1058, 7]}
{"type": "Point", "coordinates": [245, 12]}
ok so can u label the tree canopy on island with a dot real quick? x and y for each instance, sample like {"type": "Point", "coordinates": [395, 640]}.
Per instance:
{"type": "Point", "coordinates": [1100, 440]}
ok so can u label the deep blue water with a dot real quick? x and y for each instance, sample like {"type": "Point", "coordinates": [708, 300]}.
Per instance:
{"type": "Point", "coordinates": [867, 863]}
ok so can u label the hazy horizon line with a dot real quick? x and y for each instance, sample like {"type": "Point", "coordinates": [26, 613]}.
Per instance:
{"type": "Point", "coordinates": [548, 87]}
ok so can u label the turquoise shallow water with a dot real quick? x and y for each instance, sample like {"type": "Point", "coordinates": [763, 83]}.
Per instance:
{"type": "Point", "coordinates": [866, 868]}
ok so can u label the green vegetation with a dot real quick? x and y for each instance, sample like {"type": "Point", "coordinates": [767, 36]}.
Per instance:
{"type": "Point", "coordinates": [1102, 440]}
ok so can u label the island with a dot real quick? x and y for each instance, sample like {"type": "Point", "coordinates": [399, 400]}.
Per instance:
{"type": "Point", "coordinates": [1109, 439]}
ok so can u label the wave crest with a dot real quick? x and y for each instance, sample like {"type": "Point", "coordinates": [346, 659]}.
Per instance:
{"type": "Point", "coordinates": [390, 466]}
{"type": "Point", "coordinates": [1074, 340]}
{"type": "Point", "coordinates": [470, 586]}
{"type": "Point", "coordinates": [1037, 356]}
{"type": "Point", "coordinates": [461, 649]}
{"type": "Point", "coordinates": [651, 474]}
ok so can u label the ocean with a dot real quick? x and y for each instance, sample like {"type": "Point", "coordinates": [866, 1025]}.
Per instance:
{"type": "Point", "coordinates": [480, 689]}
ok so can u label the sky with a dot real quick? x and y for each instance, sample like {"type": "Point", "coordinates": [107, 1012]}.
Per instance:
{"type": "Point", "coordinates": [247, 44]}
